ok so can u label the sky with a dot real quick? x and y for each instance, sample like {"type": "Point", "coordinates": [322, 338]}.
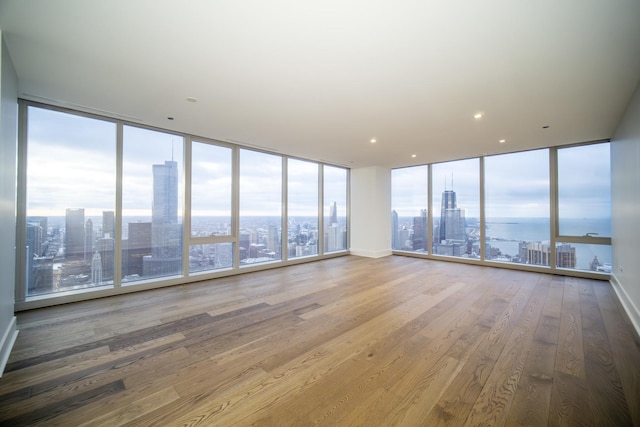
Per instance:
{"type": "Point", "coordinates": [516, 185]}
{"type": "Point", "coordinates": [72, 163]}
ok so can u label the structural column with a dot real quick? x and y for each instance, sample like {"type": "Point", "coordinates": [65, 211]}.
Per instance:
{"type": "Point", "coordinates": [370, 212]}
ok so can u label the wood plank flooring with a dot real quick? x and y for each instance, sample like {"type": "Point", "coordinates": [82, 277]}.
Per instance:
{"type": "Point", "coordinates": [348, 341]}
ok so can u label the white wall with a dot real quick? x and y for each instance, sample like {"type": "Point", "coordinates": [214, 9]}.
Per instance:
{"type": "Point", "coordinates": [625, 206]}
{"type": "Point", "coordinates": [371, 212]}
{"type": "Point", "coordinates": [8, 138]}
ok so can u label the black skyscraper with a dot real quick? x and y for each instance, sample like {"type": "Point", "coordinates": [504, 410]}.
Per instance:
{"type": "Point", "coordinates": [74, 234]}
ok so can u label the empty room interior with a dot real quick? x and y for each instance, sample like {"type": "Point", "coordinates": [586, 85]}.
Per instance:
{"type": "Point", "coordinates": [319, 213]}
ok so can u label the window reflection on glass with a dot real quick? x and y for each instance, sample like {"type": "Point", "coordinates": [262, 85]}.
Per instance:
{"type": "Point", "coordinates": [409, 189]}
{"type": "Point", "coordinates": [456, 209]}
{"type": "Point", "coordinates": [516, 206]}
{"type": "Point", "coordinates": [71, 175]}
{"type": "Point", "coordinates": [302, 209]}
{"type": "Point", "coordinates": [335, 209]}
{"type": "Point", "coordinates": [151, 204]}
{"type": "Point", "coordinates": [260, 237]}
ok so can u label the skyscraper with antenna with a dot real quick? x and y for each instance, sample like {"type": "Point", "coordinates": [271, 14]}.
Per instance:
{"type": "Point", "coordinates": [166, 231]}
{"type": "Point", "coordinates": [451, 217]}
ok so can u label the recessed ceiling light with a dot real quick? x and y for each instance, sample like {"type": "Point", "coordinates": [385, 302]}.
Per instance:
{"type": "Point", "coordinates": [414, 155]}
{"type": "Point", "coordinates": [502, 141]}
{"type": "Point", "coordinates": [191, 99]}
{"type": "Point", "coordinates": [477, 116]}
{"type": "Point", "coordinates": [373, 141]}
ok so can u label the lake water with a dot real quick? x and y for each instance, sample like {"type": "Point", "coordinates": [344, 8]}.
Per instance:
{"type": "Point", "coordinates": [510, 231]}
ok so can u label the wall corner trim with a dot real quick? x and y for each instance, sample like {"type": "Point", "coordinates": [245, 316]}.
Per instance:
{"type": "Point", "coordinates": [8, 339]}
{"type": "Point", "coordinates": [627, 303]}
{"type": "Point", "coordinates": [370, 254]}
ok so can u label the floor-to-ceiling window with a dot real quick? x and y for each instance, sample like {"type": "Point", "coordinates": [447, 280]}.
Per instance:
{"type": "Point", "coordinates": [517, 207]}
{"type": "Point", "coordinates": [70, 202]}
{"type": "Point", "coordinates": [409, 205]}
{"type": "Point", "coordinates": [260, 207]}
{"type": "Point", "coordinates": [456, 208]}
{"type": "Point", "coordinates": [152, 204]}
{"type": "Point", "coordinates": [212, 242]}
{"type": "Point", "coordinates": [546, 208]}
{"type": "Point", "coordinates": [335, 209]}
{"type": "Point", "coordinates": [584, 208]}
{"type": "Point", "coordinates": [104, 203]}
{"type": "Point", "coordinates": [302, 208]}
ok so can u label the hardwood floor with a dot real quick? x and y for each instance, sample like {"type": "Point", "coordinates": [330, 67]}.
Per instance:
{"type": "Point", "coordinates": [342, 342]}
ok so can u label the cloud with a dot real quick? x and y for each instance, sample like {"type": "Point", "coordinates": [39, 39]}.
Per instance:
{"type": "Point", "coordinates": [516, 184]}
{"type": "Point", "coordinates": [302, 188]}
{"type": "Point", "coordinates": [409, 194]}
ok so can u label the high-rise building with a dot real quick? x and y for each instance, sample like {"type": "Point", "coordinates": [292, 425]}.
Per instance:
{"type": "Point", "coordinates": [419, 238]}
{"type": "Point", "coordinates": [335, 238]}
{"type": "Point", "coordinates": [74, 234]}
{"type": "Point", "coordinates": [244, 243]}
{"type": "Point", "coordinates": [403, 239]}
{"type": "Point", "coordinates": [565, 256]}
{"type": "Point", "coordinates": [96, 268]}
{"type": "Point", "coordinates": [137, 246]}
{"type": "Point", "coordinates": [451, 218]}
{"type": "Point", "coordinates": [34, 251]}
{"type": "Point", "coordinates": [333, 213]}
{"type": "Point", "coordinates": [165, 193]}
{"type": "Point", "coordinates": [108, 224]}
{"type": "Point", "coordinates": [105, 247]}
{"type": "Point", "coordinates": [538, 253]}
{"type": "Point", "coordinates": [395, 233]}
{"type": "Point", "coordinates": [41, 222]}
{"type": "Point", "coordinates": [451, 233]}
{"type": "Point", "coordinates": [273, 241]}
{"type": "Point", "coordinates": [88, 241]}
{"type": "Point", "coordinates": [166, 232]}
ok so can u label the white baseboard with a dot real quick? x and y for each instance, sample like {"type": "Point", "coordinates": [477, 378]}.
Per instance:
{"type": "Point", "coordinates": [370, 254]}
{"type": "Point", "coordinates": [627, 303]}
{"type": "Point", "coordinates": [8, 339]}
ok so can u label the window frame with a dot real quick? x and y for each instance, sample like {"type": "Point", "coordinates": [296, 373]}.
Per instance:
{"type": "Point", "coordinates": [24, 302]}
{"type": "Point", "coordinates": [554, 236]}
{"type": "Point", "coordinates": [557, 237]}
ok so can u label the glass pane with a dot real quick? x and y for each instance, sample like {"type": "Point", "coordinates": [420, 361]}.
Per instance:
{"type": "Point", "coordinates": [151, 204]}
{"type": "Point", "coordinates": [456, 208]}
{"type": "Point", "coordinates": [260, 207]}
{"type": "Point", "coordinates": [409, 203]}
{"type": "Point", "coordinates": [585, 257]}
{"type": "Point", "coordinates": [516, 204]}
{"type": "Point", "coordinates": [210, 190]}
{"type": "Point", "coordinates": [335, 209]}
{"type": "Point", "coordinates": [71, 176]}
{"type": "Point", "coordinates": [209, 257]}
{"type": "Point", "coordinates": [584, 190]}
{"type": "Point", "coordinates": [302, 198]}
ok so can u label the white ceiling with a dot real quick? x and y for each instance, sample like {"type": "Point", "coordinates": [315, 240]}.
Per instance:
{"type": "Point", "coordinates": [319, 79]}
